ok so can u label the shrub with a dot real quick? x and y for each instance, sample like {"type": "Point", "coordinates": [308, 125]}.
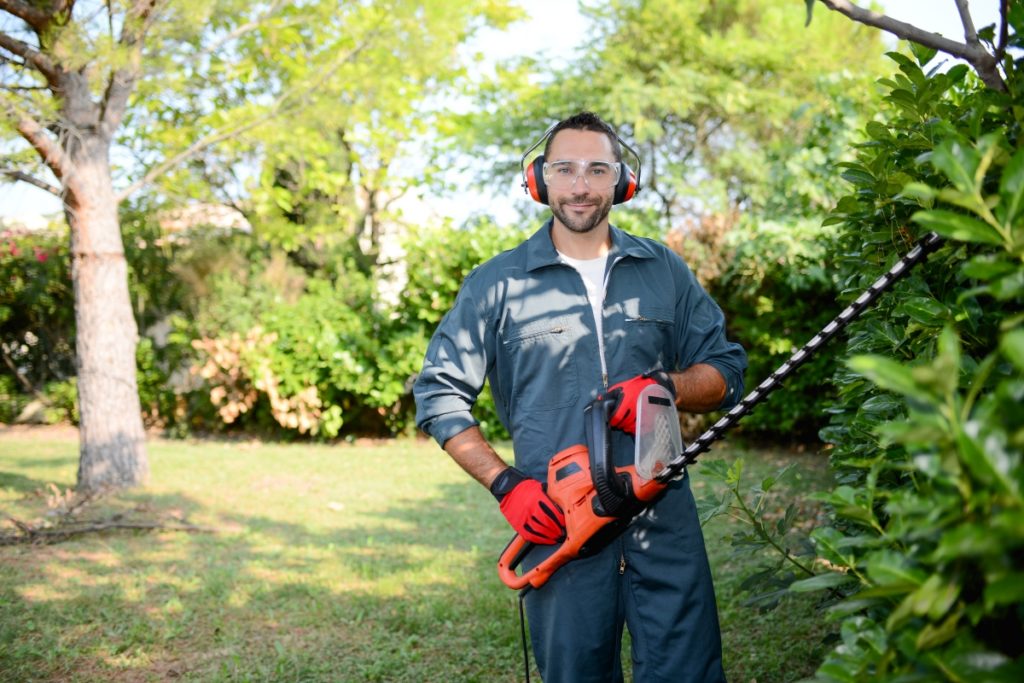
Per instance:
{"type": "Point", "coordinates": [927, 533]}
{"type": "Point", "coordinates": [37, 319]}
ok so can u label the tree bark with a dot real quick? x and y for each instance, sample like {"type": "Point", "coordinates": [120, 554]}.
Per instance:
{"type": "Point", "coordinates": [112, 448]}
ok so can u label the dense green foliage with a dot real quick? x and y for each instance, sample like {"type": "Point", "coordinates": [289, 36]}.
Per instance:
{"type": "Point", "coordinates": [924, 549]}
{"type": "Point", "coordinates": [759, 126]}
{"type": "Point", "coordinates": [928, 521]}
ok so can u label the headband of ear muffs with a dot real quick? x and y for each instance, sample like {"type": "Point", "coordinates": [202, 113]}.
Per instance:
{"type": "Point", "coordinates": [535, 186]}
{"type": "Point", "coordinates": [533, 175]}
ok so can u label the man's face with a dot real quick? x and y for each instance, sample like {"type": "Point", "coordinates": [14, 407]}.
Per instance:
{"type": "Point", "coordinates": [580, 208]}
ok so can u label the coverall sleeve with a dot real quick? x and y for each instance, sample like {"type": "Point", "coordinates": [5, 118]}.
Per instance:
{"type": "Point", "coordinates": [457, 361]}
{"type": "Point", "coordinates": [700, 335]}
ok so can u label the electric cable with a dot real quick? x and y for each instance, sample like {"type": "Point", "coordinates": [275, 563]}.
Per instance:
{"type": "Point", "coordinates": [522, 632]}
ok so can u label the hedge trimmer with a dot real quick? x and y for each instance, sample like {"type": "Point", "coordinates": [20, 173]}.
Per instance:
{"type": "Point", "coordinates": [600, 500]}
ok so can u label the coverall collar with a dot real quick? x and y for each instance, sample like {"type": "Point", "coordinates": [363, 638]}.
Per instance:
{"type": "Point", "coordinates": [541, 252]}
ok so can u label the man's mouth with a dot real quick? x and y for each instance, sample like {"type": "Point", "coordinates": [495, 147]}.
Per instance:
{"type": "Point", "coordinates": [578, 206]}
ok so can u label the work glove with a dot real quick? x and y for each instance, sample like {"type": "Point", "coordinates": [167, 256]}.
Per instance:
{"type": "Point", "coordinates": [624, 413]}
{"type": "Point", "coordinates": [528, 508]}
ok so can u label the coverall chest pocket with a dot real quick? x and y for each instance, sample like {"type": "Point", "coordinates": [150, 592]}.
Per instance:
{"type": "Point", "coordinates": [542, 364]}
{"type": "Point", "coordinates": [649, 335]}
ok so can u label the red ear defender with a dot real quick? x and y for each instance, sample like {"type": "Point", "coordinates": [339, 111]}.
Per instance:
{"type": "Point", "coordinates": [627, 186]}
{"type": "Point", "coordinates": [533, 181]}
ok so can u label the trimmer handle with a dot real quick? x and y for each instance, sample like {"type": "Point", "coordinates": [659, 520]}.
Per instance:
{"type": "Point", "coordinates": [514, 552]}
{"type": "Point", "coordinates": [571, 487]}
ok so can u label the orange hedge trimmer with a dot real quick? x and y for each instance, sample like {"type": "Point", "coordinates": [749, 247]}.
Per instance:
{"type": "Point", "coordinates": [600, 500]}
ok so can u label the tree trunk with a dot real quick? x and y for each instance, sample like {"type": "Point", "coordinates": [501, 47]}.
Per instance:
{"type": "Point", "coordinates": [112, 446]}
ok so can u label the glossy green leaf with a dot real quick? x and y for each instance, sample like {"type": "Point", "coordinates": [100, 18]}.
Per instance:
{"type": "Point", "coordinates": [821, 582]}
{"type": "Point", "coordinates": [925, 310]}
{"type": "Point", "coordinates": [888, 568]}
{"type": "Point", "coordinates": [1012, 347]}
{"type": "Point", "coordinates": [958, 162]}
{"type": "Point", "coordinates": [888, 374]}
{"type": "Point", "coordinates": [1011, 187]}
{"type": "Point", "coordinates": [922, 53]}
{"type": "Point", "coordinates": [958, 226]}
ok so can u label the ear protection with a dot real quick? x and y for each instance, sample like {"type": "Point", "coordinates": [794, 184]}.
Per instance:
{"type": "Point", "coordinates": [533, 175]}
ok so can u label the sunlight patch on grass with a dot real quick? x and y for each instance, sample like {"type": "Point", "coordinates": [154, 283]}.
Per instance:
{"type": "Point", "coordinates": [331, 563]}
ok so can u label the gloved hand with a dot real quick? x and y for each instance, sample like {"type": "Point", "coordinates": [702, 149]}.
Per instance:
{"type": "Point", "coordinates": [624, 414]}
{"type": "Point", "coordinates": [528, 508]}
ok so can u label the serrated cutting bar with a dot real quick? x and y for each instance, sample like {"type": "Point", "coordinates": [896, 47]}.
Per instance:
{"type": "Point", "coordinates": [702, 443]}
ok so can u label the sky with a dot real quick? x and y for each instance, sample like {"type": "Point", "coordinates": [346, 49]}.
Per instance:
{"type": "Point", "coordinates": [554, 28]}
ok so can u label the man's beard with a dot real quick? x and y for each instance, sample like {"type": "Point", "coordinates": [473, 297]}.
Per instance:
{"type": "Point", "coordinates": [586, 223]}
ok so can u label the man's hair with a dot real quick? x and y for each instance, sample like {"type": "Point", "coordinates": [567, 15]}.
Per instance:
{"type": "Point", "coordinates": [585, 120]}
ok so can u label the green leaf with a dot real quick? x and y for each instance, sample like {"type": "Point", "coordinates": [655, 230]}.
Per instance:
{"type": "Point", "coordinates": [878, 131]}
{"type": "Point", "coordinates": [1011, 187]}
{"type": "Point", "coordinates": [921, 53]}
{"type": "Point", "coordinates": [821, 582]}
{"type": "Point", "coordinates": [925, 310]}
{"type": "Point", "coordinates": [987, 461]}
{"type": "Point", "coordinates": [987, 267]}
{"type": "Point", "coordinates": [958, 162]}
{"type": "Point", "coordinates": [1006, 590]}
{"type": "Point", "coordinates": [810, 12]}
{"type": "Point", "coordinates": [890, 375]}
{"type": "Point", "coordinates": [958, 226]}
{"type": "Point", "coordinates": [934, 635]}
{"type": "Point", "coordinates": [966, 541]}
{"type": "Point", "coordinates": [888, 568]}
{"type": "Point", "coordinates": [1012, 347]}
{"type": "Point", "coordinates": [828, 542]}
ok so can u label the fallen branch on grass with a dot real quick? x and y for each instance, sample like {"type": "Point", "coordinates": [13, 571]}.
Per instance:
{"type": "Point", "coordinates": [28, 533]}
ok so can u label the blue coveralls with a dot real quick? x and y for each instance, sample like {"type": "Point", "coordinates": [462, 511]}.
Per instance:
{"type": "Point", "coordinates": [522, 321]}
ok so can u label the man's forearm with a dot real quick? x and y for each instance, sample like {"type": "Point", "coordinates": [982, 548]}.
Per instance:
{"type": "Point", "coordinates": [471, 451]}
{"type": "Point", "coordinates": [699, 388]}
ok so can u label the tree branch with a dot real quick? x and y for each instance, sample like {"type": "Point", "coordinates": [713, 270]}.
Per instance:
{"type": "Point", "coordinates": [974, 53]}
{"type": "Point", "coordinates": [31, 15]}
{"type": "Point", "coordinates": [970, 33]}
{"type": "Point", "coordinates": [32, 57]}
{"type": "Point", "coordinates": [1004, 33]}
{"type": "Point", "coordinates": [122, 81]}
{"type": "Point", "coordinates": [48, 148]}
{"type": "Point", "coordinates": [31, 180]}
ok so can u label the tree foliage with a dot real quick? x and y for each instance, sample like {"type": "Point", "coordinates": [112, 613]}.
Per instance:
{"type": "Point", "coordinates": [703, 90]}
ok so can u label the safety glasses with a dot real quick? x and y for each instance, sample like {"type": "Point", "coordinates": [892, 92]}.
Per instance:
{"type": "Point", "coordinates": [598, 175]}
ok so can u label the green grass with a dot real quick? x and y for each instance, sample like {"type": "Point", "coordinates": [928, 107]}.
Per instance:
{"type": "Point", "coordinates": [343, 563]}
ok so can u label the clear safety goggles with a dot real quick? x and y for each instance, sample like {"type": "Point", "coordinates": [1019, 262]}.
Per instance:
{"type": "Point", "coordinates": [598, 175]}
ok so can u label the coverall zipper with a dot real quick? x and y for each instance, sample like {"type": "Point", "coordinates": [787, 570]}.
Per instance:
{"type": "Point", "coordinates": [600, 345]}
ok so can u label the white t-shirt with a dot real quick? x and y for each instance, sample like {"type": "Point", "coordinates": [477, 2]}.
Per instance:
{"type": "Point", "coordinates": [592, 272]}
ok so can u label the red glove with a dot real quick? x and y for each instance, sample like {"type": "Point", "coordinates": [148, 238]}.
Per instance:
{"type": "Point", "coordinates": [624, 414]}
{"type": "Point", "coordinates": [528, 508]}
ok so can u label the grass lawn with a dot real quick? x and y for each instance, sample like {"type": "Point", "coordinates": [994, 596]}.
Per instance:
{"type": "Point", "coordinates": [329, 563]}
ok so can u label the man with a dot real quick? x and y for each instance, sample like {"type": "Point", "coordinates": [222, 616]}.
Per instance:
{"type": "Point", "coordinates": [578, 310]}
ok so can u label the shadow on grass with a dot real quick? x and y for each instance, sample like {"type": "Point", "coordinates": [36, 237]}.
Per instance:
{"type": "Point", "coordinates": [269, 601]}
{"type": "Point", "coordinates": [19, 483]}
{"type": "Point", "coordinates": [409, 594]}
